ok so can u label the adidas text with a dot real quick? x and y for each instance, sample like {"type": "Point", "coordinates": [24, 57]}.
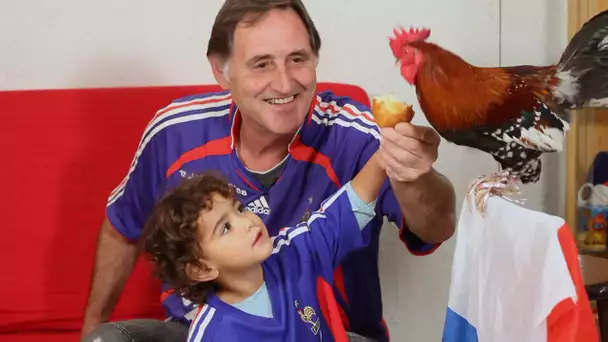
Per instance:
{"type": "Point", "coordinates": [259, 211]}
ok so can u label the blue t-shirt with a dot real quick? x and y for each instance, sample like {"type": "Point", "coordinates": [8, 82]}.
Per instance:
{"type": "Point", "coordinates": [302, 263]}
{"type": "Point", "coordinates": [198, 133]}
{"type": "Point", "coordinates": [259, 303]}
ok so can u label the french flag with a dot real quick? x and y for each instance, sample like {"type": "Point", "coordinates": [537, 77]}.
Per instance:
{"type": "Point", "coordinates": [516, 278]}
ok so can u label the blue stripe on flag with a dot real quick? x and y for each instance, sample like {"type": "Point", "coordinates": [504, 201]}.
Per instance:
{"type": "Point", "coordinates": [458, 329]}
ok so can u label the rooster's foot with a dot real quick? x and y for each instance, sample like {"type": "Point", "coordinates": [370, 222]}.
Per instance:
{"type": "Point", "coordinates": [497, 184]}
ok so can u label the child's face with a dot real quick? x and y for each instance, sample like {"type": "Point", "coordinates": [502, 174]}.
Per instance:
{"type": "Point", "coordinates": [232, 238]}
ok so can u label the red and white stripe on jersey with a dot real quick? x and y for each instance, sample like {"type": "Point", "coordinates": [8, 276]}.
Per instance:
{"type": "Point", "coordinates": [174, 109]}
{"type": "Point", "coordinates": [200, 323]}
{"type": "Point", "coordinates": [330, 113]}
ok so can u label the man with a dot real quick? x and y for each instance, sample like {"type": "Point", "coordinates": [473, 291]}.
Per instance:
{"type": "Point", "coordinates": [285, 149]}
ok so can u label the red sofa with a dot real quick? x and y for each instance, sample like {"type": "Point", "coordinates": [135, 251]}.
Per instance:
{"type": "Point", "coordinates": [63, 152]}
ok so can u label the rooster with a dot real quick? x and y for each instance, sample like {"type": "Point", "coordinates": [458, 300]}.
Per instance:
{"type": "Point", "coordinates": [514, 113]}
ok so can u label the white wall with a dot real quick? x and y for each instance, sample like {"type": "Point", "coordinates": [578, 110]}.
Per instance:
{"type": "Point", "coordinates": [73, 43]}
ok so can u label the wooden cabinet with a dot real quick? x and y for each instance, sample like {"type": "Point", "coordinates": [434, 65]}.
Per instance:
{"type": "Point", "coordinates": [589, 127]}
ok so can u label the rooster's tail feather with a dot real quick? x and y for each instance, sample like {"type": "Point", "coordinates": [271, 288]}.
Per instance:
{"type": "Point", "coordinates": [583, 66]}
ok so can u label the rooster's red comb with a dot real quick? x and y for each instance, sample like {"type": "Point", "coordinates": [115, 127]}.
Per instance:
{"type": "Point", "coordinates": [403, 36]}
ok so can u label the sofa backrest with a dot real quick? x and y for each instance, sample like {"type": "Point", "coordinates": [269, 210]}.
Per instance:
{"type": "Point", "coordinates": [63, 152]}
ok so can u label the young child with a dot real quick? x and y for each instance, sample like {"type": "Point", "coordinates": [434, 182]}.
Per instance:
{"type": "Point", "coordinates": [251, 287]}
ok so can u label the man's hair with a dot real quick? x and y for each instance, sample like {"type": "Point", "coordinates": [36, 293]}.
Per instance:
{"type": "Point", "coordinates": [248, 12]}
{"type": "Point", "coordinates": [171, 233]}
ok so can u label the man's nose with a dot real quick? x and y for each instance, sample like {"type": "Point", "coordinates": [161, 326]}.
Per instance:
{"type": "Point", "coordinates": [282, 81]}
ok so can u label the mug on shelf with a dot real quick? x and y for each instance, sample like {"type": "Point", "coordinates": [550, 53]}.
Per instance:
{"type": "Point", "coordinates": [590, 195]}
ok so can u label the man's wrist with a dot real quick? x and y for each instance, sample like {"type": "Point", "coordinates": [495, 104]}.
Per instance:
{"type": "Point", "coordinates": [428, 206]}
{"type": "Point", "coordinates": [91, 322]}
{"type": "Point", "coordinates": [94, 318]}
{"type": "Point", "coordinates": [89, 325]}
{"type": "Point", "coordinates": [417, 189]}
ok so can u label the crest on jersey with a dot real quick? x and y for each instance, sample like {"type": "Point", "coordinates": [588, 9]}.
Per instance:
{"type": "Point", "coordinates": [306, 215]}
{"type": "Point", "coordinates": [308, 315]}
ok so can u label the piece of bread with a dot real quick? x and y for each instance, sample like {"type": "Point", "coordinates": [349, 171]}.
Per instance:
{"type": "Point", "coordinates": [389, 111]}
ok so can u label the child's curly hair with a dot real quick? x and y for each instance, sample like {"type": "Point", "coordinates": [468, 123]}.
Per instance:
{"type": "Point", "coordinates": [171, 232]}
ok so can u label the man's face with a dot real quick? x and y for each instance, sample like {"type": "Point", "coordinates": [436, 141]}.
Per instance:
{"type": "Point", "coordinates": [232, 238]}
{"type": "Point", "coordinates": [272, 74]}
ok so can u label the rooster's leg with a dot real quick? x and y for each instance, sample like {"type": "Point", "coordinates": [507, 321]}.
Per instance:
{"type": "Point", "coordinates": [496, 184]}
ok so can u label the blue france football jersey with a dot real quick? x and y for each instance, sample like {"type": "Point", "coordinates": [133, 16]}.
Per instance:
{"type": "Point", "coordinates": [198, 133]}
{"type": "Point", "coordinates": [302, 264]}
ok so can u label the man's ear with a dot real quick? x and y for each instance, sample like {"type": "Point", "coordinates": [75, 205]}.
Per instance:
{"type": "Point", "coordinates": [219, 69]}
{"type": "Point", "coordinates": [203, 272]}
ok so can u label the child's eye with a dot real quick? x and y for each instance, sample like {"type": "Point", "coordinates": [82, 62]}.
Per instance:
{"type": "Point", "coordinates": [226, 228]}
